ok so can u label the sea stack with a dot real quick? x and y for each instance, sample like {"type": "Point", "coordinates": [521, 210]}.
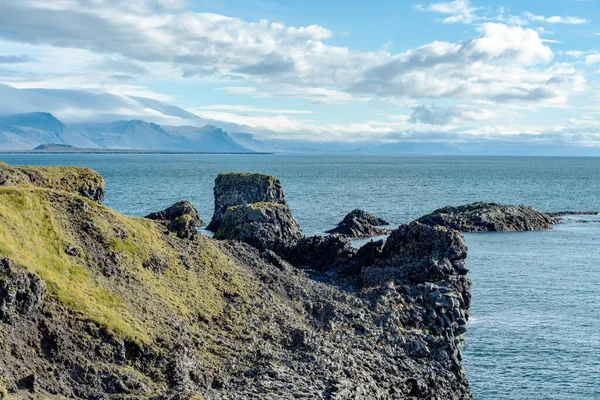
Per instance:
{"type": "Point", "coordinates": [232, 189]}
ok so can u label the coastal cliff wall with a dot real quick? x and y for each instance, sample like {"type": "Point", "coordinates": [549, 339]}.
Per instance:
{"type": "Point", "coordinates": [98, 305]}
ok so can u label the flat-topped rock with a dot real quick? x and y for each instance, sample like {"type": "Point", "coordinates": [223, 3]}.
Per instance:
{"type": "Point", "coordinates": [489, 217]}
{"type": "Point", "coordinates": [181, 218]}
{"type": "Point", "coordinates": [266, 226]}
{"type": "Point", "coordinates": [81, 181]}
{"type": "Point", "coordinates": [232, 189]}
{"type": "Point", "coordinates": [360, 224]}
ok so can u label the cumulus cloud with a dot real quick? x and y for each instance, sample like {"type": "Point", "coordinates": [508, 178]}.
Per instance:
{"type": "Point", "coordinates": [504, 63]}
{"type": "Point", "coordinates": [496, 66]}
{"type": "Point", "coordinates": [592, 58]}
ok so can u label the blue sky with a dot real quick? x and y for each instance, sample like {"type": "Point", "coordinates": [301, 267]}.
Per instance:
{"type": "Point", "coordinates": [328, 71]}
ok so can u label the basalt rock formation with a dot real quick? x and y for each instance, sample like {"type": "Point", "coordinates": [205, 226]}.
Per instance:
{"type": "Point", "coordinates": [266, 226]}
{"type": "Point", "coordinates": [82, 181]}
{"type": "Point", "coordinates": [181, 218]}
{"type": "Point", "coordinates": [233, 189]}
{"type": "Point", "coordinates": [487, 217]}
{"type": "Point", "coordinates": [359, 224]}
{"type": "Point", "coordinates": [98, 305]}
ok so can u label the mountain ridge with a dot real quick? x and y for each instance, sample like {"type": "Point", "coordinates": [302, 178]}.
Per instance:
{"type": "Point", "coordinates": [29, 131]}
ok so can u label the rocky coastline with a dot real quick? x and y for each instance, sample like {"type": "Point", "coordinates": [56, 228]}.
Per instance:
{"type": "Point", "coordinates": [98, 305]}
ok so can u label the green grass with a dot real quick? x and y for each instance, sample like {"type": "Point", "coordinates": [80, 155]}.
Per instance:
{"type": "Point", "coordinates": [37, 225]}
{"type": "Point", "coordinates": [71, 179]}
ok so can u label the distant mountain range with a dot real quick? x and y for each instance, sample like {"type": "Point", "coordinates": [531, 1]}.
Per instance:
{"type": "Point", "coordinates": [44, 132]}
{"type": "Point", "coordinates": [31, 130]}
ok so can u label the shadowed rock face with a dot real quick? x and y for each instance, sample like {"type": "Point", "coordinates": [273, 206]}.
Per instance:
{"type": "Point", "coordinates": [181, 218]}
{"type": "Point", "coordinates": [266, 226]}
{"type": "Point", "coordinates": [234, 189]}
{"type": "Point", "coordinates": [486, 217]}
{"type": "Point", "coordinates": [360, 223]}
{"type": "Point", "coordinates": [81, 181]}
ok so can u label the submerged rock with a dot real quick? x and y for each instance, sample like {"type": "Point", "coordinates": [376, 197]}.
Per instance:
{"type": "Point", "coordinates": [232, 189]}
{"type": "Point", "coordinates": [360, 223]}
{"type": "Point", "coordinates": [81, 181]}
{"type": "Point", "coordinates": [181, 218]}
{"type": "Point", "coordinates": [486, 217]}
{"type": "Point", "coordinates": [266, 226]}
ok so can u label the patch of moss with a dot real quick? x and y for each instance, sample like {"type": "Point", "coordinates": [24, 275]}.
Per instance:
{"type": "Point", "coordinates": [37, 225]}
{"type": "Point", "coordinates": [81, 181]}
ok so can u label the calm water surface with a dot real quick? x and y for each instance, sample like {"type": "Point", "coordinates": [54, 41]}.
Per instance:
{"type": "Point", "coordinates": [535, 329]}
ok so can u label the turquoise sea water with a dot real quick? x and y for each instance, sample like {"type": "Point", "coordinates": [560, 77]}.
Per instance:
{"type": "Point", "coordinates": [534, 331]}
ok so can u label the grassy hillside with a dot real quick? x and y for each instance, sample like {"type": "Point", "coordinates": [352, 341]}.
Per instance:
{"type": "Point", "coordinates": [124, 273]}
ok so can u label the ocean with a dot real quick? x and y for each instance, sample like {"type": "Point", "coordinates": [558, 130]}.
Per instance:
{"type": "Point", "coordinates": [534, 331]}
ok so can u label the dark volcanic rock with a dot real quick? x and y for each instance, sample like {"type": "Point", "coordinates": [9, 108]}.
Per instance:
{"type": "Point", "coordinates": [321, 252]}
{"type": "Point", "coordinates": [20, 292]}
{"type": "Point", "coordinates": [234, 189]}
{"type": "Point", "coordinates": [266, 226]}
{"type": "Point", "coordinates": [419, 253]}
{"type": "Point", "coordinates": [181, 218]}
{"type": "Point", "coordinates": [360, 223]}
{"type": "Point", "coordinates": [485, 217]}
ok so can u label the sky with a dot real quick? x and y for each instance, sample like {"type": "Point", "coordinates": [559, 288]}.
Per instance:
{"type": "Point", "coordinates": [320, 71]}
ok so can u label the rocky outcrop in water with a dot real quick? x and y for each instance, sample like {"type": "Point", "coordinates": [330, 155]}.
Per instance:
{"type": "Point", "coordinates": [81, 181]}
{"type": "Point", "coordinates": [234, 189]}
{"type": "Point", "coordinates": [359, 224]}
{"type": "Point", "coordinates": [181, 218]}
{"type": "Point", "coordinates": [98, 305]}
{"type": "Point", "coordinates": [487, 217]}
{"type": "Point", "coordinates": [266, 226]}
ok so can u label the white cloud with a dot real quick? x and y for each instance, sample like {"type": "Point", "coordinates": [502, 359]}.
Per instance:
{"type": "Point", "coordinates": [459, 11]}
{"type": "Point", "coordinates": [557, 19]}
{"type": "Point", "coordinates": [248, 109]}
{"type": "Point", "coordinates": [501, 65]}
{"type": "Point", "coordinates": [592, 58]}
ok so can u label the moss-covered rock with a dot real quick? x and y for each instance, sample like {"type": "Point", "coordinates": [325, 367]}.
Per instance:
{"type": "Point", "coordinates": [232, 189]}
{"type": "Point", "coordinates": [81, 181]}
{"type": "Point", "coordinates": [181, 218]}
